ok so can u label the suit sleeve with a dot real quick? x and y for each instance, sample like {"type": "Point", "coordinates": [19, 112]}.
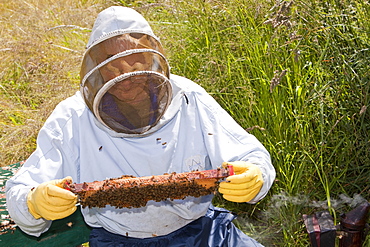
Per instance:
{"type": "Point", "coordinates": [54, 158]}
{"type": "Point", "coordinates": [227, 141]}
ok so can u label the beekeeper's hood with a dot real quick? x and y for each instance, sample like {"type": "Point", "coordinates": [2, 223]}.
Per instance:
{"type": "Point", "coordinates": [124, 74]}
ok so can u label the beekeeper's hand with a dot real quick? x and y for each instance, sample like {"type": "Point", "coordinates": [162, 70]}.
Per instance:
{"type": "Point", "coordinates": [244, 185]}
{"type": "Point", "coordinates": [50, 201]}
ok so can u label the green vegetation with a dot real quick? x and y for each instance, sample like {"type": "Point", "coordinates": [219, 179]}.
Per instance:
{"type": "Point", "coordinates": [294, 74]}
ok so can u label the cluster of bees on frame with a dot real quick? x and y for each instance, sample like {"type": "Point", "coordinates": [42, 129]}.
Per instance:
{"type": "Point", "coordinates": [135, 193]}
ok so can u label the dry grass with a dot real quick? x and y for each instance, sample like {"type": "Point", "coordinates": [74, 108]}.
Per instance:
{"type": "Point", "coordinates": [42, 42]}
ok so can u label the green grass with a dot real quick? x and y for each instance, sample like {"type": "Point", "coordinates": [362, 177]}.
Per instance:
{"type": "Point", "coordinates": [300, 85]}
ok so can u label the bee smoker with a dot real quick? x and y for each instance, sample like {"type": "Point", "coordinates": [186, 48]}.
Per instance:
{"type": "Point", "coordinates": [351, 231]}
{"type": "Point", "coordinates": [353, 226]}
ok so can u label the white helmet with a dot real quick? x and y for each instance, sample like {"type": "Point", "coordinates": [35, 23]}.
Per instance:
{"type": "Point", "coordinates": [124, 74]}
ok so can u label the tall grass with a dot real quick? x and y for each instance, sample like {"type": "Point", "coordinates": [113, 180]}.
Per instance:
{"type": "Point", "coordinates": [294, 74]}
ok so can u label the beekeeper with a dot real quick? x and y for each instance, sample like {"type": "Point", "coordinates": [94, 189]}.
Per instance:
{"type": "Point", "coordinates": [133, 117]}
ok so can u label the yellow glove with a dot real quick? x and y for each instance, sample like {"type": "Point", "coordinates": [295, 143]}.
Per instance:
{"type": "Point", "coordinates": [243, 186]}
{"type": "Point", "coordinates": [50, 201]}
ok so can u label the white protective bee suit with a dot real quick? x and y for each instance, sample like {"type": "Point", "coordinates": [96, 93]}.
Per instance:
{"type": "Point", "coordinates": [85, 138]}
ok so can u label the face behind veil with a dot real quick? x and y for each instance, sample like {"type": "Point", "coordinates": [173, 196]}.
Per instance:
{"type": "Point", "coordinates": [125, 76]}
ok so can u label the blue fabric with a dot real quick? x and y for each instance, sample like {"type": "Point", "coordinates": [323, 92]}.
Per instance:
{"type": "Point", "coordinates": [215, 229]}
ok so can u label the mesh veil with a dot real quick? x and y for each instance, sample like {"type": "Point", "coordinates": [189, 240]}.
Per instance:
{"type": "Point", "coordinates": [125, 82]}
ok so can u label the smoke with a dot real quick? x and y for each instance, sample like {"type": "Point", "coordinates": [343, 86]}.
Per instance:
{"type": "Point", "coordinates": [283, 199]}
{"type": "Point", "coordinates": [288, 210]}
{"type": "Point", "coordinates": [341, 201]}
